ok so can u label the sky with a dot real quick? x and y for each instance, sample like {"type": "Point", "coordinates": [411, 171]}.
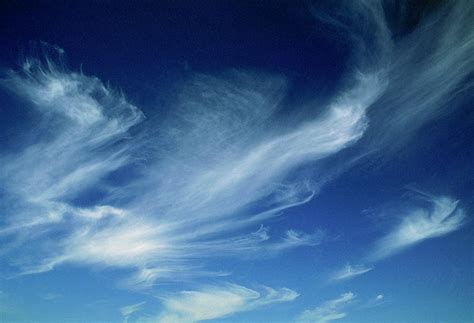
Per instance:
{"type": "Point", "coordinates": [236, 161]}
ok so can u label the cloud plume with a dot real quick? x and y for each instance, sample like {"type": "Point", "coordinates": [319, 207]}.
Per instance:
{"type": "Point", "coordinates": [216, 145]}
{"type": "Point", "coordinates": [351, 271]}
{"type": "Point", "coordinates": [328, 311]}
{"type": "Point", "coordinates": [424, 55]}
{"type": "Point", "coordinates": [92, 182]}
{"type": "Point", "coordinates": [214, 302]}
{"type": "Point", "coordinates": [444, 216]}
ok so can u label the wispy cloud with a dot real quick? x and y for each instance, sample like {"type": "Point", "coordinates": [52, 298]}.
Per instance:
{"type": "Point", "coordinates": [128, 310]}
{"type": "Point", "coordinates": [208, 174]}
{"type": "Point", "coordinates": [216, 146]}
{"type": "Point", "coordinates": [351, 271]}
{"type": "Point", "coordinates": [214, 302]}
{"type": "Point", "coordinates": [442, 217]}
{"type": "Point", "coordinates": [425, 66]}
{"type": "Point", "coordinates": [425, 69]}
{"type": "Point", "coordinates": [428, 70]}
{"type": "Point", "coordinates": [438, 217]}
{"type": "Point", "coordinates": [375, 301]}
{"type": "Point", "coordinates": [328, 311]}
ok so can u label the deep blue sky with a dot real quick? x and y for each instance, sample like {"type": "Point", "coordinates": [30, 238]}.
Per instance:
{"type": "Point", "coordinates": [236, 161]}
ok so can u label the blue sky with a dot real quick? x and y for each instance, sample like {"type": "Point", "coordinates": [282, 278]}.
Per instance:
{"type": "Point", "coordinates": [236, 161]}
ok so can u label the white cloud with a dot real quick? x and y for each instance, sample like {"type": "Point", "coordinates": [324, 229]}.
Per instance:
{"type": "Point", "coordinates": [441, 217]}
{"type": "Point", "coordinates": [329, 311]}
{"type": "Point", "coordinates": [351, 271]}
{"type": "Point", "coordinates": [216, 146]}
{"type": "Point", "coordinates": [444, 216]}
{"type": "Point", "coordinates": [426, 69]}
{"type": "Point", "coordinates": [218, 166]}
{"type": "Point", "coordinates": [214, 302]}
{"type": "Point", "coordinates": [128, 310]}
{"type": "Point", "coordinates": [430, 71]}
{"type": "Point", "coordinates": [222, 140]}
{"type": "Point", "coordinates": [375, 301]}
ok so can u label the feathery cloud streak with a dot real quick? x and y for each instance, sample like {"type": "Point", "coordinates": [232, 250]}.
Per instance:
{"type": "Point", "coordinates": [182, 207]}
{"type": "Point", "coordinates": [329, 311]}
{"type": "Point", "coordinates": [351, 271]}
{"type": "Point", "coordinates": [214, 302]}
{"type": "Point", "coordinates": [129, 310]}
{"type": "Point", "coordinates": [445, 216]}
{"type": "Point", "coordinates": [425, 66]}
{"type": "Point", "coordinates": [441, 217]}
{"type": "Point", "coordinates": [218, 166]}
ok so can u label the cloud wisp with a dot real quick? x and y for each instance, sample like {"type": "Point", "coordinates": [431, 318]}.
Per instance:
{"type": "Point", "coordinates": [181, 205]}
{"type": "Point", "coordinates": [351, 271]}
{"type": "Point", "coordinates": [336, 309]}
{"type": "Point", "coordinates": [220, 142]}
{"type": "Point", "coordinates": [92, 182]}
{"type": "Point", "coordinates": [441, 218]}
{"type": "Point", "coordinates": [426, 66]}
{"type": "Point", "coordinates": [328, 311]}
{"type": "Point", "coordinates": [226, 300]}
{"type": "Point", "coordinates": [129, 310]}
{"type": "Point", "coordinates": [375, 301]}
